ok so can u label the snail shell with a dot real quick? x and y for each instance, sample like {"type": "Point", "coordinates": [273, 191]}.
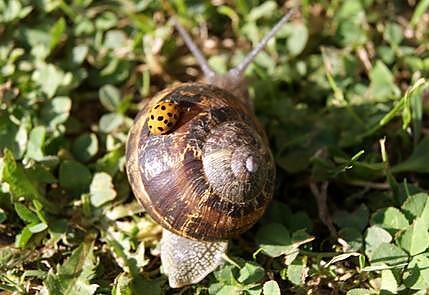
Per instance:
{"type": "Point", "coordinates": [211, 177]}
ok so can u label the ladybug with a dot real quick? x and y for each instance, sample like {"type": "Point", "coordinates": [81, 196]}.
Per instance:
{"type": "Point", "coordinates": [162, 117]}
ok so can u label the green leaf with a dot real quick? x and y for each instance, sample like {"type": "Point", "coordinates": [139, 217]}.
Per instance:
{"type": "Point", "coordinates": [388, 254]}
{"type": "Point", "coordinates": [390, 218]}
{"type": "Point", "coordinates": [74, 275]}
{"type": "Point", "coordinates": [13, 10]}
{"type": "Point", "coordinates": [23, 237]}
{"type": "Point", "coordinates": [297, 272]}
{"type": "Point", "coordinates": [38, 274]}
{"type": "Point", "coordinates": [425, 214]}
{"type": "Point", "coordinates": [51, 84]}
{"type": "Point", "coordinates": [264, 10]}
{"type": "Point", "coordinates": [156, 286]}
{"type": "Point", "coordinates": [357, 219]}
{"type": "Point", "coordinates": [297, 38]}
{"type": "Point", "coordinates": [388, 282]}
{"type": "Point", "coordinates": [416, 206]}
{"type": "Point", "coordinates": [105, 21]}
{"type": "Point", "coordinates": [85, 147]}
{"type": "Point", "coordinates": [251, 273]}
{"type": "Point", "coordinates": [402, 105]}
{"type": "Point", "coordinates": [382, 84]}
{"type": "Point", "coordinates": [110, 97]}
{"type": "Point", "coordinates": [56, 111]}
{"type": "Point", "coordinates": [37, 228]}
{"type": "Point", "coordinates": [416, 238]}
{"type": "Point", "coordinates": [412, 105]}
{"type": "Point", "coordinates": [350, 10]}
{"type": "Point", "coordinates": [416, 276]}
{"type": "Point", "coordinates": [111, 162]}
{"type": "Point", "coordinates": [79, 53]}
{"type": "Point", "coordinates": [386, 53]}
{"type": "Point", "coordinates": [20, 184]}
{"type": "Point", "coordinates": [416, 162]}
{"type": "Point", "coordinates": [350, 31]}
{"type": "Point", "coordinates": [115, 39]}
{"type": "Point", "coordinates": [274, 239]}
{"type": "Point", "coordinates": [227, 290]}
{"type": "Point", "coordinates": [57, 32]}
{"type": "Point", "coordinates": [41, 173]}
{"type": "Point", "coordinates": [12, 136]}
{"type": "Point", "coordinates": [26, 214]}
{"type": "Point", "coordinates": [35, 143]}
{"type": "Point", "coordinates": [225, 275]}
{"type": "Point", "coordinates": [37, 35]}
{"type": "Point", "coordinates": [101, 189]}
{"type": "Point", "coordinates": [131, 260]}
{"type": "Point", "coordinates": [271, 288]}
{"type": "Point", "coordinates": [110, 122]}
{"type": "Point", "coordinates": [393, 34]}
{"type": "Point", "coordinates": [74, 176]}
{"type": "Point", "coordinates": [375, 236]}
{"type": "Point", "coordinates": [421, 8]}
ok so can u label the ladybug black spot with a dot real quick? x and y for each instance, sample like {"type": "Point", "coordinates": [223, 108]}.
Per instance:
{"type": "Point", "coordinates": [165, 121]}
{"type": "Point", "coordinates": [150, 126]}
{"type": "Point", "coordinates": [157, 106]}
{"type": "Point", "coordinates": [170, 115]}
{"type": "Point", "coordinates": [160, 118]}
{"type": "Point", "coordinates": [152, 117]}
{"type": "Point", "coordinates": [160, 129]}
{"type": "Point", "coordinates": [163, 108]}
{"type": "Point", "coordinates": [170, 104]}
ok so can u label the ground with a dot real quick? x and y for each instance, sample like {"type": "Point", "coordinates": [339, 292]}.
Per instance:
{"type": "Point", "coordinates": [341, 91]}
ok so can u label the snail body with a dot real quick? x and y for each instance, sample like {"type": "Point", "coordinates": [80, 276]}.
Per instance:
{"type": "Point", "coordinates": [206, 174]}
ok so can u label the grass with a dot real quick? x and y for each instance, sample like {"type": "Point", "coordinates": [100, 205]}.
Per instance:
{"type": "Point", "coordinates": [341, 91]}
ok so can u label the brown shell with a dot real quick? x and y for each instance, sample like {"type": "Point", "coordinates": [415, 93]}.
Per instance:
{"type": "Point", "coordinates": [179, 177]}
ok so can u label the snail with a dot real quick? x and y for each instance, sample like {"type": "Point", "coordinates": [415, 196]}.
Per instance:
{"type": "Point", "coordinates": [199, 162]}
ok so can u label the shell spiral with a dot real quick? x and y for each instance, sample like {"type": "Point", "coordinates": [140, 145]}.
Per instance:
{"type": "Point", "coordinates": [211, 177]}
{"type": "Point", "coordinates": [233, 163]}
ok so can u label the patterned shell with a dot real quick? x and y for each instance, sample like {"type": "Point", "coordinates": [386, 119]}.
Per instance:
{"type": "Point", "coordinates": [211, 176]}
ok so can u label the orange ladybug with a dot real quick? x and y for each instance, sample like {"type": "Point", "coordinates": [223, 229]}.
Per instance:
{"type": "Point", "coordinates": [162, 117]}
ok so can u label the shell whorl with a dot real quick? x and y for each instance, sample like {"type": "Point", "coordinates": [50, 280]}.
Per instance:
{"type": "Point", "coordinates": [211, 177]}
{"type": "Point", "coordinates": [232, 161]}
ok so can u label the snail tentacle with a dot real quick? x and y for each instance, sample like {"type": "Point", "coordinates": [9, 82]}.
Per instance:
{"type": "Point", "coordinates": [202, 61]}
{"type": "Point", "coordinates": [242, 66]}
